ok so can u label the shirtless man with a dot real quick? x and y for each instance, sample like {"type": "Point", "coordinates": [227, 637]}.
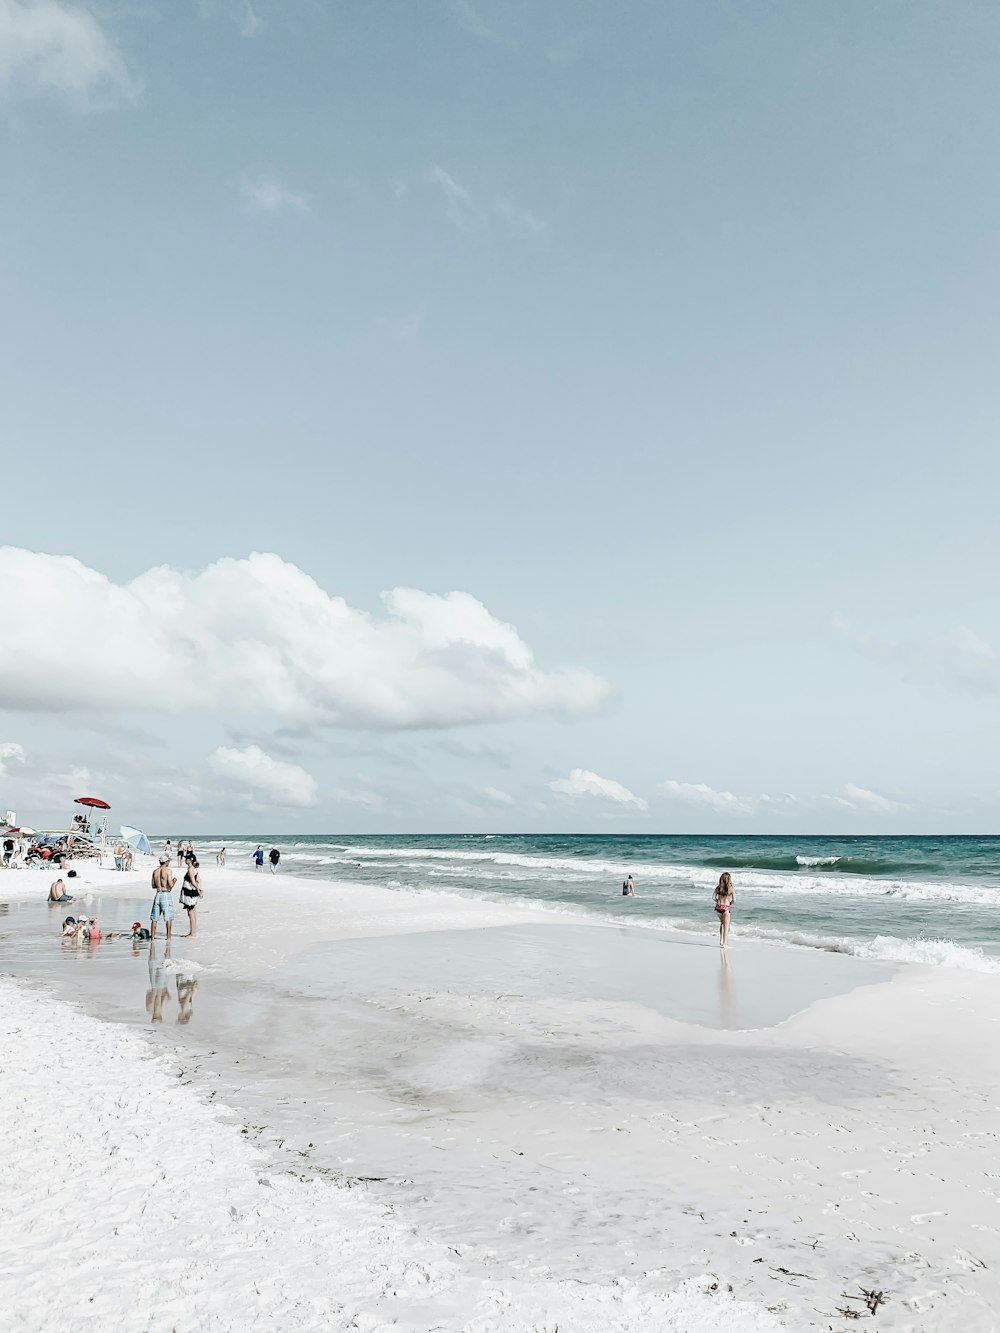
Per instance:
{"type": "Point", "coordinates": [57, 892]}
{"type": "Point", "coordinates": [163, 903]}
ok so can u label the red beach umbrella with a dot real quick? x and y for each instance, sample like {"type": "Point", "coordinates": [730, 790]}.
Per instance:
{"type": "Point", "coordinates": [95, 803]}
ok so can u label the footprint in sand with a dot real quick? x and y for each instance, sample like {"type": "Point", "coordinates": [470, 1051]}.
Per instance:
{"type": "Point", "coordinates": [919, 1219]}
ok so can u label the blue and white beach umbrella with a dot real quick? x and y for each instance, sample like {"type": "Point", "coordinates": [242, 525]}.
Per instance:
{"type": "Point", "coordinates": [136, 838]}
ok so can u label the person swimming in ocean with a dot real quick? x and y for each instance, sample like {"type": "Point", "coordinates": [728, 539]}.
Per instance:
{"type": "Point", "coordinates": [724, 900]}
{"type": "Point", "coordinates": [628, 888]}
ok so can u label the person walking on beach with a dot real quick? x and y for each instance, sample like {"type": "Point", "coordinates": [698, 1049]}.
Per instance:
{"type": "Point", "coordinates": [168, 850]}
{"type": "Point", "coordinates": [258, 857]}
{"type": "Point", "coordinates": [628, 888]}
{"type": "Point", "coordinates": [274, 857]}
{"type": "Point", "coordinates": [180, 852]}
{"type": "Point", "coordinates": [191, 891]}
{"type": "Point", "coordinates": [163, 903]}
{"type": "Point", "coordinates": [724, 900]}
{"type": "Point", "coordinates": [220, 857]}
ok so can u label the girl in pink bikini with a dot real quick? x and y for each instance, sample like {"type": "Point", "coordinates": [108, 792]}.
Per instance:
{"type": "Point", "coordinates": [724, 899]}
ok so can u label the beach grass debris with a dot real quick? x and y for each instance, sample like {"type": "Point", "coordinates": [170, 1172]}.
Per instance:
{"type": "Point", "coordinates": [869, 1298]}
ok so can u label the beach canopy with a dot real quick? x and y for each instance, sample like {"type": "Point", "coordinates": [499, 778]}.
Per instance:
{"type": "Point", "coordinates": [136, 838]}
{"type": "Point", "coordinates": [94, 802]}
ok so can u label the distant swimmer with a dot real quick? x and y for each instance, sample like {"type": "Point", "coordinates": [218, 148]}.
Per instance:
{"type": "Point", "coordinates": [628, 888]}
{"type": "Point", "coordinates": [724, 900]}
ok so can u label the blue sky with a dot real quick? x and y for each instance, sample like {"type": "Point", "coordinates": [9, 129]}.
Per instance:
{"type": "Point", "coordinates": [666, 332]}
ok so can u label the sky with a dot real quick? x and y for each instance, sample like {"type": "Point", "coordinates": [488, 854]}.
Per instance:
{"type": "Point", "coordinates": [527, 415]}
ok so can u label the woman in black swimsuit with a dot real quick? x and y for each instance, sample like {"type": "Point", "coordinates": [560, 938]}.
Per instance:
{"type": "Point", "coordinates": [191, 891]}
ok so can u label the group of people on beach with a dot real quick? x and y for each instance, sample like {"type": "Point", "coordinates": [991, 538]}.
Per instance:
{"type": "Point", "coordinates": [185, 850]}
{"type": "Point", "coordinates": [724, 898]}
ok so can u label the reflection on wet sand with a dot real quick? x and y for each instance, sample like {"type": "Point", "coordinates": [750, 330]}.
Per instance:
{"type": "Point", "coordinates": [186, 987]}
{"type": "Point", "coordinates": [727, 997]}
{"type": "Point", "coordinates": [159, 992]}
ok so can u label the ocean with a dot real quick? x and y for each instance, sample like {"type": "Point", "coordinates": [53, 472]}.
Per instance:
{"type": "Point", "coordinates": [927, 900]}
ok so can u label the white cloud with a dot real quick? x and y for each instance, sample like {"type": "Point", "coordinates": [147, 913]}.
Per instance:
{"type": "Point", "coordinates": [958, 658]}
{"type": "Point", "coordinates": [581, 782]}
{"type": "Point", "coordinates": [473, 22]}
{"type": "Point", "coordinates": [723, 802]}
{"type": "Point", "coordinates": [369, 799]}
{"type": "Point", "coordinates": [467, 213]}
{"type": "Point", "coordinates": [860, 798]}
{"type": "Point", "coordinates": [58, 47]}
{"type": "Point", "coordinates": [401, 328]}
{"type": "Point", "coordinates": [501, 797]}
{"type": "Point", "coordinates": [269, 781]}
{"type": "Point", "coordinates": [459, 206]}
{"type": "Point", "coordinates": [516, 217]}
{"type": "Point", "coordinates": [249, 21]}
{"type": "Point", "coordinates": [567, 50]}
{"type": "Point", "coordinates": [698, 793]}
{"type": "Point", "coordinates": [264, 193]}
{"type": "Point", "coordinates": [260, 637]}
{"type": "Point", "coordinates": [10, 753]}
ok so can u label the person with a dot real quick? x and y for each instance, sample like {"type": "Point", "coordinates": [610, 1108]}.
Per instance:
{"type": "Point", "coordinates": [57, 892]}
{"type": "Point", "coordinates": [191, 891]}
{"type": "Point", "coordinates": [92, 930]}
{"type": "Point", "coordinates": [724, 900]}
{"type": "Point", "coordinates": [180, 852]}
{"type": "Point", "coordinates": [139, 931]}
{"type": "Point", "coordinates": [163, 904]}
{"type": "Point", "coordinates": [274, 857]}
{"type": "Point", "coordinates": [628, 888]}
{"type": "Point", "coordinates": [258, 857]}
{"type": "Point", "coordinates": [220, 857]}
{"type": "Point", "coordinates": [168, 850]}
{"type": "Point", "coordinates": [71, 926]}
{"type": "Point", "coordinates": [127, 857]}
{"type": "Point", "coordinates": [8, 852]}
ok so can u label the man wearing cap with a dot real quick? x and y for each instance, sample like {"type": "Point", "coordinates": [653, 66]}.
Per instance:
{"type": "Point", "coordinates": [163, 903]}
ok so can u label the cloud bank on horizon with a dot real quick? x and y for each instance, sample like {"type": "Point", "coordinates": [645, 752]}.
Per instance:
{"type": "Point", "coordinates": [260, 637]}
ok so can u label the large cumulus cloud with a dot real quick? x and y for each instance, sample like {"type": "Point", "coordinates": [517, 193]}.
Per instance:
{"type": "Point", "coordinates": [259, 636]}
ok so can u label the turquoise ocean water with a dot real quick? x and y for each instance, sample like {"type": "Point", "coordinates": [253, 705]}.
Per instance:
{"type": "Point", "coordinates": [930, 899]}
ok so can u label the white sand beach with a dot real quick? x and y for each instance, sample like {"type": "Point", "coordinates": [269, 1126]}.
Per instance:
{"type": "Point", "coordinates": [416, 1111]}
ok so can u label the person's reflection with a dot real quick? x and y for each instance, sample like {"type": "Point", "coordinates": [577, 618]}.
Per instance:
{"type": "Point", "coordinates": [158, 994]}
{"type": "Point", "coordinates": [186, 987]}
{"type": "Point", "coordinates": [727, 1000]}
